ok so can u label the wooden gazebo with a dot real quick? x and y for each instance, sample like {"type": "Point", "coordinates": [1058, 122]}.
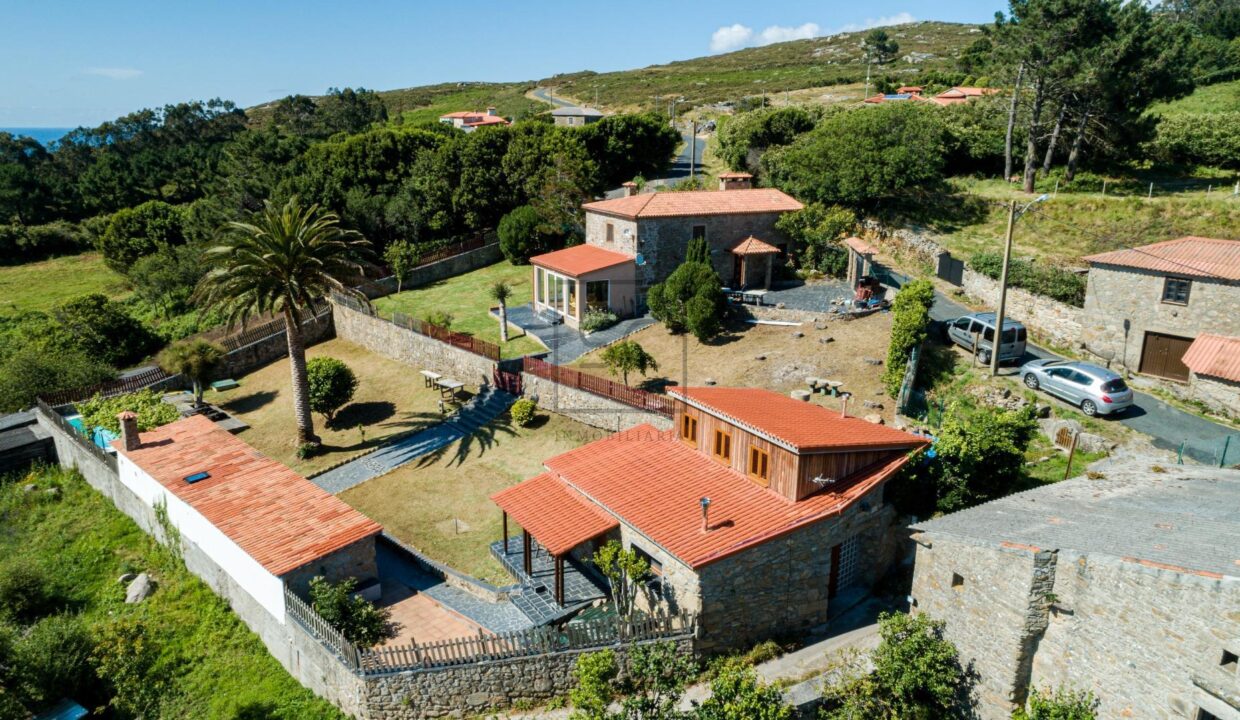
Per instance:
{"type": "Point", "coordinates": [751, 256]}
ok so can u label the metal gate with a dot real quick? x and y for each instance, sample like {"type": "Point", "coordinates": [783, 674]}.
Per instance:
{"type": "Point", "coordinates": [844, 566]}
{"type": "Point", "coordinates": [950, 269]}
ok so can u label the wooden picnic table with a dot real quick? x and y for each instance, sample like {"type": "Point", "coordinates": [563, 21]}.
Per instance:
{"type": "Point", "coordinates": [430, 378]}
{"type": "Point", "coordinates": [448, 387]}
{"type": "Point", "coordinates": [753, 297]}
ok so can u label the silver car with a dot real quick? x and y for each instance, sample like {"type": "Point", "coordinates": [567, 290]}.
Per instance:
{"type": "Point", "coordinates": [1096, 390]}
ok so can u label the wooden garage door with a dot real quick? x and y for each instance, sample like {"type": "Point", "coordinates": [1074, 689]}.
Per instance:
{"type": "Point", "coordinates": [1163, 355]}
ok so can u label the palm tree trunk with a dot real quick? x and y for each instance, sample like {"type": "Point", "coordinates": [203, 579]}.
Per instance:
{"type": "Point", "coordinates": [1050, 145]}
{"type": "Point", "coordinates": [1011, 125]}
{"type": "Point", "coordinates": [1075, 155]}
{"type": "Point", "coordinates": [1031, 146]}
{"type": "Point", "coordinates": [503, 321]}
{"type": "Point", "coordinates": [301, 387]}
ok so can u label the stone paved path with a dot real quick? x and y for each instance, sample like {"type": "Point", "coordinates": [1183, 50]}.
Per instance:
{"type": "Point", "coordinates": [567, 344]}
{"type": "Point", "coordinates": [479, 411]}
{"type": "Point", "coordinates": [814, 296]}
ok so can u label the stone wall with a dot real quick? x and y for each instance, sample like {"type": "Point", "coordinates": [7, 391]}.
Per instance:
{"type": "Point", "coordinates": [1220, 395]}
{"type": "Point", "coordinates": [588, 408]}
{"type": "Point", "coordinates": [405, 346]}
{"type": "Point", "coordinates": [257, 354]}
{"type": "Point", "coordinates": [663, 242]}
{"type": "Point", "coordinates": [354, 561]}
{"type": "Point", "coordinates": [1123, 304]}
{"type": "Point", "coordinates": [446, 268]}
{"type": "Point", "coordinates": [475, 689]}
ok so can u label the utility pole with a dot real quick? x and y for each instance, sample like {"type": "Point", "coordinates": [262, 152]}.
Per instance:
{"type": "Point", "coordinates": [997, 341]}
{"type": "Point", "coordinates": [867, 73]}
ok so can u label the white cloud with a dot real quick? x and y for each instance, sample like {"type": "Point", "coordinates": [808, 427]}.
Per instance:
{"type": "Point", "coordinates": [731, 37]}
{"type": "Point", "coordinates": [114, 73]}
{"type": "Point", "coordinates": [778, 33]}
{"type": "Point", "coordinates": [897, 19]}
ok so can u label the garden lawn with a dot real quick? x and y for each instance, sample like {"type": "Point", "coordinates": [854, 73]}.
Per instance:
{"type": "Point", "coordinates": [211, 664]}
{"type": "Point", "coordinates": [390, 399]}
{"type": "Point", "coordinates": [40, 285]}
{"type": "Point", "coordinates": [441, 504]}
{"type": "Point", "coordinates": [466, 297]}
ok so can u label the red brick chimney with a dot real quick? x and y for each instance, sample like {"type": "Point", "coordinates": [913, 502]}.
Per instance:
{"type": "Point", "coordinates": [735, 181]}
{"type": "Point", "coordinates": [630, 188]}
{"type": "Point", "coordinates": [129, 430]}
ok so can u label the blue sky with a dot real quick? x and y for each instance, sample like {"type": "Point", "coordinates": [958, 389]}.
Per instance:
{"type": "Point", "coordinates": [66, 63]}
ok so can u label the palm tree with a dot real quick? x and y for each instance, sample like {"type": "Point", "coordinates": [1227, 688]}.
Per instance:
{"type": "Point", "coordinates": [195, 359]}
{"type": "Point", "coordinates": [500, 292]}
{"type": "Point", "coordinates": [281, 262]}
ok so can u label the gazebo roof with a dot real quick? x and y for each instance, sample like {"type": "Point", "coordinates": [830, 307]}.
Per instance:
{"type": "Point", "coordinates": [753, 246]}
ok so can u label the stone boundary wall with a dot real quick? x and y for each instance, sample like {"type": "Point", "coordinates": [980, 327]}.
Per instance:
{"type": "Point", "coordinates": [409, 348]}
{"type": "Point", "coordinates": [588, 408]}
{"type": "Point", "coordinates": [303, 656]}
{"type": "Point", "coordinates": [473, 690]}
{"type": "Point", "coordinates": [273, 347]}
{"type": "Point", "coordinates": [446, 268]}
{"type": "Point", "coordinates": [1058, 322]}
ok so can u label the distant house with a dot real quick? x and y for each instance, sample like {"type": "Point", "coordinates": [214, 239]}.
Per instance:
{"type": "Point", "coordinates": [651, 232]}
{"type": "Point", "coordinates": [958, 95]}
{"type": "Point", "coordinates": [1125, 584]}
{"type": "Point", "coordinates": [576, 116]}
{"type": "Point", "coordinates": [468, 121]}
{"type": "Point", "coordinates": [1145, 305]}
{"type": "Point", "coordinates": [755, 513]}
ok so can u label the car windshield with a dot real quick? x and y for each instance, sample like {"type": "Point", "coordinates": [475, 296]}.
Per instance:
{"type": "Point", "coordinates": [1116, 385]}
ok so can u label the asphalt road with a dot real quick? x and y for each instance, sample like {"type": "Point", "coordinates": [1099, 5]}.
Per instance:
{"type": "Point", "coordinates": [1168, 426]}
{"type": "Point", "coordinates": [542, 94]}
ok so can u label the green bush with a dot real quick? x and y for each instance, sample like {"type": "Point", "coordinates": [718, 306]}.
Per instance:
{"type": "Point", "coordinates": [980, 455]}
{"type": "Point", "coordinates": [596, 320]}
{"type": "Point", "coordinates": [1053, 282]}
{"type": "Point", "coordinates": [332, 385]}
{"type": "Point", "coordinates": [1199, 139]}
{"type": "Point", "coordinates": [523, 411]}
{"type": "Point", "coordinates": [26, 592]}
{"type": "Point", "coordinates": [1058, 704]}
{"type": "Point", "coordinates": [359, 620]}
{"type": "Point", "coordinates": [911, 310]}
{"type": "Point", "coordinates": [152, 411]}
{"type": "Point", "coordinates": [56, 657]}
{"type": "Point", "coordinates": [817, 231]}
{"type": "Point", "coordinates": [520, 237]}
{"type": "Point", "coordinates": [125, 657]}
{"type": "Point", "coordinates": [38, 369]}
{"type": "Point", "coordinates": [627, 356]}
{"type": "Point", "coordinates": [690, 299]}
{"type": "Point", "coordinates": [440, 318]}
{"type": "Point", "coordinates": [102, 328]}
{"type": "Point", "coordinates": [135, 232]}
{"type": "Point", "coordinates": [26, 243]}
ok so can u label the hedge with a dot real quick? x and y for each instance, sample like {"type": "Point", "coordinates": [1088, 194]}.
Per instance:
{"type": "Point", "coordinates": [1053, 282]}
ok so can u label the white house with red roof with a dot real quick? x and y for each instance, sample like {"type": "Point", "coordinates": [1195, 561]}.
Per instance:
{"type": "Point", "coordinates": [651, 231]}
{"type": "Point", "coordinates": [755, 511]}
{"type": "Point", "coordinates": [470, 120]}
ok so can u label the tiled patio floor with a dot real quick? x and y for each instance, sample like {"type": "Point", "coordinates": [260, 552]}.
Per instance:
{"type": "Point", "coordinates": [421, 619]}
{"type": "Point", "coordinates": [537, 596]}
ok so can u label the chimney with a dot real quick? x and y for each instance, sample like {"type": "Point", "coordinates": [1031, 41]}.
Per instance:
{"type": "Point", "coordinates": [491, 111]}
{"type": "Point", "coordinates": [735, 181]}
{"type": "Point", "coordinates": [844, 407]}
{"type": "Point", "coordinates": [705, 513]}
{"type": "Point", "coordinates": [630, 188]}
{"type": "Point", "coordinates": [129, 430]}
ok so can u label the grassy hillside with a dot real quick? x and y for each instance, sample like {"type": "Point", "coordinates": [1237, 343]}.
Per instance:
{"type": "Point", "coordinates": [40, 285]}
{"type": "Point", "coordinates": [818, 62]}
{"type": "Point", "coordinates": [1218, 98]}
{"type": "Point", "coordinates": [430, 101]}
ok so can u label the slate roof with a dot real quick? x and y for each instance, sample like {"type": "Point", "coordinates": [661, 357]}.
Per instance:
{"type": "Point", "coordinates": [697, 203]}
{"type": "Point", "coordinates": [1185, 519]}
{"type": "Point", "coordinates": [1214, 355]}
{"type": "Point", "coordinates": [278, 517]}
{"type": "Point", "coordinates": [1189, 256]}
{"type": "Point", "coordinates": [580, 259]}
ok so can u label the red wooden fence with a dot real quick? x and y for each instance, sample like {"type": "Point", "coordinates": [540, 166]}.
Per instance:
{"type": "Point", "coordinates": [602, 387]}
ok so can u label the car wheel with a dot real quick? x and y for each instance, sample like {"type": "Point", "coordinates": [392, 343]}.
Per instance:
{"type": "Point", "coordinates": [1031, 381]}
{"type": "Point", "coordinates": [1089, 408]}
{"type": "Point", "coordinates": [983, 356]}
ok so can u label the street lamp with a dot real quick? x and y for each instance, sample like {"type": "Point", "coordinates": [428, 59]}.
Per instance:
{"type": "Point", "coordinates": [996, 342]}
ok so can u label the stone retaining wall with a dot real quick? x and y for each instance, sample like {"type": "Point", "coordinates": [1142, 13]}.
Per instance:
{"type": "Point", "coordinates": [588, 408]}
{"type": "Point", "coordinates": [449, 267]}
{"type": "Point", "coordinates": [273, 347]}
{"type": "Point", "coordinates": [471, 690]}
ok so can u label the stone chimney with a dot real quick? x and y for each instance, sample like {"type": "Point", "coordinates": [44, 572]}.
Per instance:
{"type": "Point", "coordinates": [735, 181]}
{"type": "Point", "coordinates": [630, 188]}
{"type": "Point", "coordinates": [491, 111]}
{"type": "Point", "coordinates": [129, 430]}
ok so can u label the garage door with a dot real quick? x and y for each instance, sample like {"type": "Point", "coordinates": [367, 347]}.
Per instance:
{"type": "Point", "coordinates": [1163, 355]}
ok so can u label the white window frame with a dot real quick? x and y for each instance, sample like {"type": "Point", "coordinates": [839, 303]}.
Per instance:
{"type": "Point", "coordinates": [548, 292]}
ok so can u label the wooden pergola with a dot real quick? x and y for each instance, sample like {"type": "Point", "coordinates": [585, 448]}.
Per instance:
{"type": "Point", "coordinates": [750, 249]}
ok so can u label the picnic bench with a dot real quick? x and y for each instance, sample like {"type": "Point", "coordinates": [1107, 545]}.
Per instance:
{"type": "Point", "coordinates": [448, 388]}
{"type": "Point", "coordinates": [430, 378]}
{"type": "Point", "coordinates": [752, 297]}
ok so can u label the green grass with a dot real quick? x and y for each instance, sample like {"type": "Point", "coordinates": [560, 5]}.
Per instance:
{"type": "Point", "coordinates": [1217, 98]}
{"type": "Point", "coordinates": [213, 665]}
{"type": "Point", "coordinates": [426, 104]}
{"type": "Point", "coordinates": [465, 297]}
{"type": "Point", "coordinates": [40, 285]}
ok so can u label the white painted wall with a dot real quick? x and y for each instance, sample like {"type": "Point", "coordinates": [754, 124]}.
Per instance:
{"type": "Point", "coordinates": [266, 589]}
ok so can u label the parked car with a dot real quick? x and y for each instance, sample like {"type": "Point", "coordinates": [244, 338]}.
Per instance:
{"type": "Point", "coordinates": [1096, 390]}
{"type": "Point", "coordinates": [981, 326]}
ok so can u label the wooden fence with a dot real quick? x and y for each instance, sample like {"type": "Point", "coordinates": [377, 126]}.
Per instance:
{"type": "Point", "coordinates": [120, 386]}
{"type": "Point", "coordinates": [76, 435]}
{"type": "Point", "coordinates": [455, 339]}
{"type": "Point", "coordinates": [522, 643]}
{"type": "Point", "coordinates": [319, 628]}
{"type": "Point", "coordinates": [602, 387]}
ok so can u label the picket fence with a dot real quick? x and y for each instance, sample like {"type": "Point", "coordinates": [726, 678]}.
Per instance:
{"type": "Point", "coordinates": [602, 387]}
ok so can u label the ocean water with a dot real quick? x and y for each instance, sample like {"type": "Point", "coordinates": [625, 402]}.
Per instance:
{"type": "Point", "coordinates": [45, 135]}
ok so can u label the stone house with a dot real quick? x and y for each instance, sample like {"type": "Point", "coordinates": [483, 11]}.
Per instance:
{"type": "Point", "coordinates": [1213, 363]}
{"type": "Point", "coordinates": [653, 230]}
{"type": "Point", "coordinates": [1127, 585]}
{"type": "Point", "coordinates": [1144, 306]}
{"type": "Point", "coordinates": [576, 116]}
{"type": "Point", "coordinates": [262, 524]}
{"type": "Point", "coordinates": [756, 511]}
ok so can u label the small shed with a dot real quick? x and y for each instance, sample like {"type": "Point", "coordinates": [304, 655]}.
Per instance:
{"type": "Point", "coordinates": [860, 259]}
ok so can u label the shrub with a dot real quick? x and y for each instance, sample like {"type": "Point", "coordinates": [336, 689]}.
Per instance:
{"type": "Point", "coordinates": [152, 411]}
{"type": "Point", "coordinates": [332, 384]}
{"type": "Point", "coordinates": [37, 369]}
{"type": "Point", "coordinates": [596, 320]}
{"type": "Point", "coordinates": [1199, 139]}
{"type": "Point", "coordinates": [981, 454]}
{"type": "Point", "coordinates": [817, 230]}
{"type": "Point", "coordinates": [1058, 704]}
{"type": "Point", "coordinates": [737, 694]}
{"type": "Point", "coordinates": [520, 237]}
{"type": "Point", "coordinates": [138, 231]}
{"type": "Point", "coordinates": [1053, 282]}
{"type": "Point", "coordinates": [691, 299]}
{"type": "Point", "coordinates": [26, 592]}
{"type": "Point", "coordinates": [440, 318]}
{"type": "Point", "coordinates": [101, 328]}
{"type": "Point", "coordinates": [628, 356]}
{"type": "Point", "coordinates": [911, 309]}
{"type": "Point", "coordinates": [56, 655]}
{"type": "Point", "coordinates": [165, 279]}
{"type": "Point", "coordinates": [522, 412]}
{"type": "Point", "coordinates": [125, 657]}
{"type": "Point", "coordinates": [358, 619]}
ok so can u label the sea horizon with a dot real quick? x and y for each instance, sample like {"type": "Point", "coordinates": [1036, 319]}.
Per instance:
{"type": "Point", "coordinates": [44, 135]}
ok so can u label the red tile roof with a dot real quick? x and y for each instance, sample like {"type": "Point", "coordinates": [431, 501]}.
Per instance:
{"type": "Point", "coordinates": [753, 246]}
{"type": "Point", "coordinates": [1195, 256]}
{"type": "Point", "coordinates": [653, 482]}
{"type": "Point", "coordinates": [801, 426]}
{"type": "Point", "coordinates": [580, 259]}
{"type": "Point", "coordinates": [1214, 355]}
{"type": "Point", "coordinates": [554, 513]}
{"type": "Point", "coordinates": [279, 518]}
{"type": "Point", "coordinates": [697, 202]}
{"type": "Point", "coordinates": [734, 174]}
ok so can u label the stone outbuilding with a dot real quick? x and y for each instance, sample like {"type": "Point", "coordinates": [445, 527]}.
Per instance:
{"type": "Point", "coordinates": [1144, 306]}
{"type": "Point", "coordinates": [757, 512]}
{"type": "Point", "coordinates": [1213, 363]}
{"type": "Point", "coordinates": [1126, 584]}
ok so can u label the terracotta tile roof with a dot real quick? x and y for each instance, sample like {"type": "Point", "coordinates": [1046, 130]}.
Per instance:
{"type": "Point", "coordinates": [580, 259]}
{"type": "Point", "coordinates": [1195, 256]}
{"type": "Point", "coordinates": [860, 246]}
{"type": "Point", "coordinates": [753, 246]}
{"type": "Point", "coordinates": [279, 518]}
{"type": "Point", "coordinates": [554, 513]}
{"type": "Point", "coordinates": [653, 482]}
{"type": "Point", "coordinates": [487, 120]}
{"type": "Point", "coordinates": [697, 202]}
{"type": "Point", "coordinates": [734, 175]}
{"type": "Point", "coordinates": [1214, 355]}
{"type": "Point", "coordinates": [796, 424]}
